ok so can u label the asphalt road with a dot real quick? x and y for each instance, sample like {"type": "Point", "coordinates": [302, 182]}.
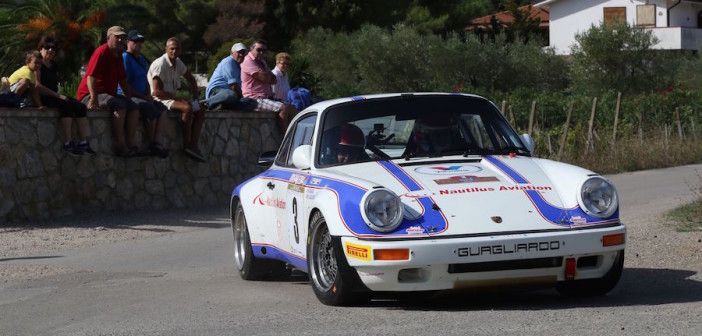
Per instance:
{"type": "Point", "coordinates": [185, 284]}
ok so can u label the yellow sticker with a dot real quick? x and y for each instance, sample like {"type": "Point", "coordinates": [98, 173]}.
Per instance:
{"type": "Point", "coordinates": [358, 251]}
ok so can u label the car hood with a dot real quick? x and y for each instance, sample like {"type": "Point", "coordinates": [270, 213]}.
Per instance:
{"type": "Point", "coordinates": [480, 195]}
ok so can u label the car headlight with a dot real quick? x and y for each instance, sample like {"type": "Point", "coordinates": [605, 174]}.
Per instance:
{"type": "Point", "coordinates": [598, 197]}
{"type": "Point", "coordinates": [382, 210]}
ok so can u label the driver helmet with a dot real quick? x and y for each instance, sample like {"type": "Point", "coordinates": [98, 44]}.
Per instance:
{"type": "Point", "coordinates": [433, 133]}
{"type": "Point", "coordinates": [352, 136]}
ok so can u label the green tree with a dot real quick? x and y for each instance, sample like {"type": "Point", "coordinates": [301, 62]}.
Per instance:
{"type": "Point", "coordinates": [616, 57]}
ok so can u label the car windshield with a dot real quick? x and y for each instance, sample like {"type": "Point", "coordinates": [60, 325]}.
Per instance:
{"type": "Point", "coordinates": [415, 126]}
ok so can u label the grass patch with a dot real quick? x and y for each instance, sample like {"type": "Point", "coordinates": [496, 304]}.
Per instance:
{"type": "Point", "coordinates": [688, 217]}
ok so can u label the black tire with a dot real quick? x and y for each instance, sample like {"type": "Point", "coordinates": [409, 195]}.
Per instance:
{"type": "Point", "coordinates": [250, 267]}
{"type": "Point", "coordinates": [594, 287]}
{"type": "Point", "coordinates": [334, 282]}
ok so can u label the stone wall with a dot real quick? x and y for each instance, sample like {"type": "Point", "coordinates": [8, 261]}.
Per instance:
{"type": "Point", "coordinates": [39, 181]}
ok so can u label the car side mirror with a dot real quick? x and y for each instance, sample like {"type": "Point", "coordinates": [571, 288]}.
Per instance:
{"type": "Point", "coordinates": [266, 159]}
{"type": "Point", "coordinates": [302, 157]}
{"type": "Point", "coordinates": [528, 142]}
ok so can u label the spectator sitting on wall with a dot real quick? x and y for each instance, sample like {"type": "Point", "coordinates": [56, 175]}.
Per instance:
{"type": "Point", "coordinates": [164, 76]}
{"type": "Point", "coordinates": [282, 86]}
{"type": "Point", "coordinates": [98, 89]}
{"type": "Point", "coordinates": [69, 109]}
{"type": "Point", "coordinates": [23, 82]}
{"type": "Point", "coordinates": [224, 88]}
{"type": "Point", "coordinates": [135, 66]}
{"type": "Point", "coordinates": [256, 81]}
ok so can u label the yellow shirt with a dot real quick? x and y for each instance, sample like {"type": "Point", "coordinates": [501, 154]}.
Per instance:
{"type": "Point", "coordinates": [22, 72]}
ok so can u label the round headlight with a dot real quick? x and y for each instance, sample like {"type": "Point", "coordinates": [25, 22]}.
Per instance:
{"type": "Point", "coordinates": [382, 210]}
{"type": "Point", "coordinates": [598, 197]}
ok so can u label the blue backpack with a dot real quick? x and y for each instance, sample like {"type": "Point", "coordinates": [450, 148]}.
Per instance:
{"type": "Point", "coordinates": [299, 97]}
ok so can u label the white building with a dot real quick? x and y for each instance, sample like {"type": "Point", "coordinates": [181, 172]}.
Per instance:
{"type": "Point", "coordinates": [676, 23]}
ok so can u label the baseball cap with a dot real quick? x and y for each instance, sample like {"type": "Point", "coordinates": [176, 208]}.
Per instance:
{"type": "Point", "coordinates": [238, 47]}
{"type": "Point", "coordinates": [116, 30]}
{"type": "Point", "coordinates": [134, 35]}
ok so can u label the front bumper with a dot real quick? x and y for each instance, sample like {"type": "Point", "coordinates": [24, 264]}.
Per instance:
{"type": "Point", "coordinates": [448, 263]}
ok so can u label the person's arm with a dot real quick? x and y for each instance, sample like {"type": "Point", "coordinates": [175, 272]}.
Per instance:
{"type": "Point", "coordinates": [43, 90]}
{"type": "Point", "coordinates": [194, 90]}
{"type": "Point", "coordinates": [93, 103]}
{"type": "Point", "coordinates": [265, 76]}
{"type": "Point", "coordinates": [130, 92]}
{"type": "Point", "coordinates": [157, 89]}
{"type": "Point", "coordinates": [237, 89]}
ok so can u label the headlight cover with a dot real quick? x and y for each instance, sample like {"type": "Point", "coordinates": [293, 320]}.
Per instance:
{"type": "Point", "coordinates": [382, 210]}
{"type": "Point", "coordinates": [598, 197]}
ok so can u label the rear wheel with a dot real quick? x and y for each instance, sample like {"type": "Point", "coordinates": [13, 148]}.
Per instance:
{"type": "Point", "coordinates": [334, 282]}
{"type": "Point", "coordinates": [250, 267]}
{"type": "Point", "coordinates": [594, 287]}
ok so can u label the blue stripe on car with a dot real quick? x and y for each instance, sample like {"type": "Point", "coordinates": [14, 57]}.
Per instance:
{"type": "Point", "coordinates": [554, 214]}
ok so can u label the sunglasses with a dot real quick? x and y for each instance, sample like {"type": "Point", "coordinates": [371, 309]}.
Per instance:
{"type": "Point", "coordinates": [49, 47]}
{"type": "Point", "coordinates": [243, 52]}
{"type": "Point", "coordinates": [261, 49]}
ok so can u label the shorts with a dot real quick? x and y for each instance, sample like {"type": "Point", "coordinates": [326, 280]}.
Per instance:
{"type": "Point", "coordinates": [166, 102]}
{"type": "Point", "coordinates": [149, 110]}
{"type": "Point", "coordinates": [114, 103]}
{"type": "Point", "coordinates": [268, 105]}
{"type": "Point", "coordinates": [13, 87]}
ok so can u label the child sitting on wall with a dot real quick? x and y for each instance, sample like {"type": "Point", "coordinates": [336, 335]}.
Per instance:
{"type": "Point", "coordinates": [22, 81]}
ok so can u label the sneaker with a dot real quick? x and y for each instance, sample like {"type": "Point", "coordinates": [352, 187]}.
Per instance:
{"type": "Point", "coordinates": [195, 154]}
{"type": "Point", "coordinates": [85, 149]}
{"type": "Point", "coordinates": [71, 149]}
{"type": "Point", "coordinates": [125, 152]}
{"type": "Point", "coordinates": [157, 149]}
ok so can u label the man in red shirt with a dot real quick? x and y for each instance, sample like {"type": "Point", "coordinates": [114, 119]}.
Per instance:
{"type": "Point", "coordinates": [98, 89]}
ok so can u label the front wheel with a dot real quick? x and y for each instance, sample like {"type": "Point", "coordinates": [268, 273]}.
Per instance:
{"type": "Point", "coordinates": [594, 287]}
{"type": "Point", "coordinates": [334, 282]}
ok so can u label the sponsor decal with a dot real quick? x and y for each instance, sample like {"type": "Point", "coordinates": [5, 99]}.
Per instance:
{"type": "Point", "coordinates": [358, 251]}
{"type": "Point", "coordinates": [449, 170]}
{"type": "Point", "coordinates": [315, 181]}
{"type": "Point", "coordinates": [578, 220]}
{"type": "Point", "coordinates": [500, 189]}
{"type": "Point", "coordinates": [518, 248]}
{"type": "Point", "coordinates": [415, 230]}
{"type": "Point", "coordinates": [269, 201]}
{"type": "Point", "coordinates": [296, 188]}
{"type": "Point", "coordinates": [466, 179]}
{"type": "Point", "coordinates": [370, 274]}
{"type": "Point", "coordinates": [310, 193]}
{"type": "Point", "coordinates": [298, 179]}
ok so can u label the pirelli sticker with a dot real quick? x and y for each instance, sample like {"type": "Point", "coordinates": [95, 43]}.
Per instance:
{"type": "Point", "coordinates": [358, 251]}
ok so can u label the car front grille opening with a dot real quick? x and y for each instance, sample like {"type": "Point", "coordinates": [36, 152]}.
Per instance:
{"type": "Point", "coordinates": [589, 261]}
{"type": "Point", "coordinates": [409, 275]}
{"type": "Point", "coordinates": [506, 265]}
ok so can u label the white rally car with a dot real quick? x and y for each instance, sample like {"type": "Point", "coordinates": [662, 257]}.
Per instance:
{"type": "Point", "coordinates": [423, 192]}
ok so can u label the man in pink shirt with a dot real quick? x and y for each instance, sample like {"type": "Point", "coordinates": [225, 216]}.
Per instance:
{"type": "Point", "coordinates": [256, 81]}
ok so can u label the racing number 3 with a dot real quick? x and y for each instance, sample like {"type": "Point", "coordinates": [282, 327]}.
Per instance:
{"type": "Point", "coordinates": [296, 229]}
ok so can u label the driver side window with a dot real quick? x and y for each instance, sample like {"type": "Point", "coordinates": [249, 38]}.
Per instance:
{"type": "Point", "coordinates": [300, 135]}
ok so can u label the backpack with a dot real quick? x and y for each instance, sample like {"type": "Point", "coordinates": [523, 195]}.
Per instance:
{"type": "Point", "coordinates": [299, 97]}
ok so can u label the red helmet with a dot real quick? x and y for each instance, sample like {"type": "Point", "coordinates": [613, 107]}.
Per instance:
{"type": "Point", "coordinates": [351, 135]}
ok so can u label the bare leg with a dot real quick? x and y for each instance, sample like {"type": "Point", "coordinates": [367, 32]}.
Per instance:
{"type": "Point", "coordinates": [132, 124]}
{"type": "Point", "coordinates": [82, 124]}
{"type": "Point", "coordinates": [197, 126]}
{"type": "Point", "coordinates": [184, 107]}
{"type": "Point", "coordinates": [66, 129]}
{"type": "Point", "coordinates": [160, 125]}
{"type": "Point", "coordinates": [118, 121]}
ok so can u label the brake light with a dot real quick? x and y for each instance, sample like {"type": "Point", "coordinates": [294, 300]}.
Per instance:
{"type": "Point", "coordinates": [391, 254]}
{"type": "Point", "coordinates": [571, 269]}
{"type": "Point", "coordinates": [613, 239]}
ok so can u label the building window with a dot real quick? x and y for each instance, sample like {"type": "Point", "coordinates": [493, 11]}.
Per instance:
{"type": "Point", "coordinates": [646, 15]}
{"type": "Point", "coordinates": [614, 14]}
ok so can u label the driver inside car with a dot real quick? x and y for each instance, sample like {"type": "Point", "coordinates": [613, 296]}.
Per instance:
{"type": "Point", "coordinates": [433, 134]}
{"type": "Point", "coordinates": [351, 144]}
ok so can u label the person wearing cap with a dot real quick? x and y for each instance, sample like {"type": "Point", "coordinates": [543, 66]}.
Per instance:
{"type": "Point", "coordinates": [351, 144]}
{"type": "Point", "coordinates": [154, 112]}
{"type": "Point", "coordinates": [98, 89]}
{"type": "Point", "coordinates": [224, 88]}
{"type": "Point", "coordinates": [164, 76]}
{"type": "Point", "coordinates": [256, 81]}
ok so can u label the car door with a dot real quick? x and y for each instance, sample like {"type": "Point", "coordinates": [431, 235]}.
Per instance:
{"type": "Point", "coordinates": [291, 219]}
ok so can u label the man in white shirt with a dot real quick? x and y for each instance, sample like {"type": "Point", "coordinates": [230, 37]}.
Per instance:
{"type": "Point", "coordinates": [164, 76]}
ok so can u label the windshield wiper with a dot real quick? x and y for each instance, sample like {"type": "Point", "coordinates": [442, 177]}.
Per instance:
{"type": "Point", "coordinates": [513, 149]}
